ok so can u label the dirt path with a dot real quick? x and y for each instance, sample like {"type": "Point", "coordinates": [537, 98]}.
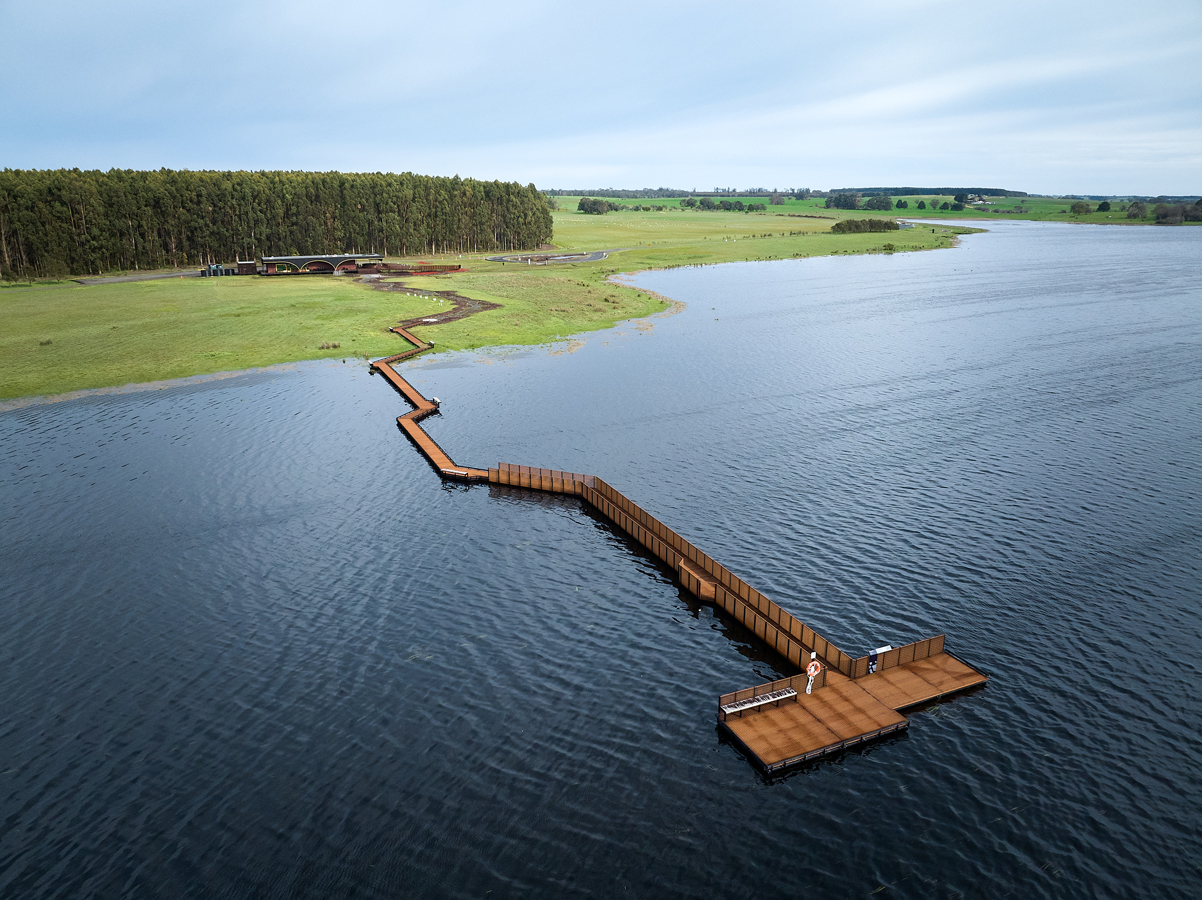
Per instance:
{"type": "Point", "coordinates": [461, 306]}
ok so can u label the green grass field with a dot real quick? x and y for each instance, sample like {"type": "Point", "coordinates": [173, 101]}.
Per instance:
{"type": "Point", "coordinates": [67, 337]}
{"type": "Point", "coordinates": [117, 334]}
{"type": "Point", "coordinates": [1035, 208]}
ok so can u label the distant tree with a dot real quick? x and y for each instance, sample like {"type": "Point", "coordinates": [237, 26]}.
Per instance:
{"type": "Point", "coordinates": [902, 204]}
{"type": "Point", "coordinates": [1080, 208]}
{"type": "Point", "coordinates": [960, 198]}
{"type": "Point", "coordinates": [945, 205]}
{"type": "Point", "coordinates": [706, 203]}
{"type": "Point", "coordinates": [776, 199]}
{"type": "Point", "coordinates": [552, 203]}
{"type": "Point", "coordinates": [858, 226]}
{"type": "Point", "coordinates": [801, 194]}
{"type": "Point", "coordinates": [883, 204]}
{"type": "Point", "coordinates": [957, 206]}
{"type": "Point", "coordinates": [922, 204]}
{"type": "Point", "coordinates": [756, 207]}
{"type": "Point", "coordinates": [85, 222]}
{"type": "Point", "coordinates": [595, 207]}
{"type": "Point", "coordinates": [689, 202]}
{"type": "Point", "coordinates": [842, 201]}
{"type": "Point", "coordinates": [1137, 210]}
{"type": "Point", "coordinates": [1104, 206]}
{"type": "Point", "coordinates": [1176, 213]}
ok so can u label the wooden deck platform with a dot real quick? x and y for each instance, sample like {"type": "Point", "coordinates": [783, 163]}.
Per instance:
{"type": "Point", "coordinates": [853, 700]}
{"type": "Point", "coordinates": [846, 711]}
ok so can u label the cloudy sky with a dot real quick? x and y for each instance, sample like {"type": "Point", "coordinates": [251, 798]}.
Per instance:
{"type": "Point", "coordinates": [1048, 97]}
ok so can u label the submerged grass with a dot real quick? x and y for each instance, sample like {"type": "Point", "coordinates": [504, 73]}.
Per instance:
{"type": "Point", "coordinates": [71, 337]}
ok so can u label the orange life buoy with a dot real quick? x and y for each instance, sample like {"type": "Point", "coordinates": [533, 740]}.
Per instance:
{"type": "Point", "coordinates": [813, 668]}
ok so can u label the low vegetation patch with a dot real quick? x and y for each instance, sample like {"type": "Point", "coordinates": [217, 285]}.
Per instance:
{"type": "Point", "coordinates": [858, 226]}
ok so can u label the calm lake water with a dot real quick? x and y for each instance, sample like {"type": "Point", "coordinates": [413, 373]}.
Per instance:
{"type": "Point", "coordinates": [251, 647]}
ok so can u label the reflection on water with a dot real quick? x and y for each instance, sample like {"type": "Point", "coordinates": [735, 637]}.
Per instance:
{"type": "Point", "coordinates": [252, 647]}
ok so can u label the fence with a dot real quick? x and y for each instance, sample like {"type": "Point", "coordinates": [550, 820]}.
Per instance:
{"type": "Point", "coordinates": [710, 580]}
{"type": "Point", "coordinates": [797, 682]}
{"type": "Point", "coordinates": [899, 656]}
{"type": "Point", "coordinates": [540, 479]}
{"type": "Point", "coordinates": [777, 627]}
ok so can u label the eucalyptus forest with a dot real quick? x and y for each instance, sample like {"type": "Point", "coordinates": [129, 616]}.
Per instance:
{"type": "Point", "coordinates": [67, 221]}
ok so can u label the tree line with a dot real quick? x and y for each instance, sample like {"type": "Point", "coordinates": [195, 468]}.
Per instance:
{"type": "Point", "coordinates": [859, 226]}
{"type": "Point", "coordinates": [726, 205]}
{"type": "Point", "coordinates": [66, 221]}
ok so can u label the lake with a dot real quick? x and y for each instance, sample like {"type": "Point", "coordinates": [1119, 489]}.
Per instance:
{"type": "Point", "coordinates": [251, 646]}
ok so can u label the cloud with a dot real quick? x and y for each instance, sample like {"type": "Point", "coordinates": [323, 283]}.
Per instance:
{"type": "Point", "coordinates": [1071, 96]}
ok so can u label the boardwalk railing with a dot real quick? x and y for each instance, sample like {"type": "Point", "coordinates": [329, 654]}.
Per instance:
{"type": "Point", "coordinates": [778, 628]}
{"type": "Point", "coordinates": [540, 479]}
{"type": "Point", "coordinates": [796, 682]}
{"type": "Point", "coordinates": [698, 571]}
{"type": "Point", "coordinates": [898, 656]}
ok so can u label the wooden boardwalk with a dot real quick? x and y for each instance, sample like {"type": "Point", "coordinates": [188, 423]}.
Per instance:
{"type": "Point", "coordinates": [849, 701]}
{"type": "Point", "coordinates": [422, 407]}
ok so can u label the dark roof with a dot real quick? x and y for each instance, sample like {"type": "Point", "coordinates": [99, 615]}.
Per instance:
{"type": "Point", "coordinates": [331, 258]}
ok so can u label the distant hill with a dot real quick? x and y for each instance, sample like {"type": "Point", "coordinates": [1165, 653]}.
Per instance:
{"type": "Point", "coordinates": [908, 191]}
{"type": "Point", "coordinates": [654, 193]}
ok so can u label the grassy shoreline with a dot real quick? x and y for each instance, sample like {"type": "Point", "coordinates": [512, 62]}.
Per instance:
{"type": "Point", "coordinates": [70, 337]}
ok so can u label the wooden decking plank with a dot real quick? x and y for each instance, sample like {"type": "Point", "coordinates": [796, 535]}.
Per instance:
{"type": "Point", "coordinates": [837, 713]}
{"type": "Point", "coordinates": [829, 717]}
{"type": "Point", "coordinates": [834, 676]}
{"type": "Point", "coordinates": [870, 713]}
{"type": "Point", "coordinates": [946, 673]}
{"type": "Point", "coordinates": [782, 733]}
{"type": "Point", "coordinates": [899, 687]}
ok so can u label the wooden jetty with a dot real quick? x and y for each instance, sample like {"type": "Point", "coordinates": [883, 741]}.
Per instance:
{"type": "Point", "coordinates": [850, 700]}
{"type": "Point", "coordinates": [422, 408]}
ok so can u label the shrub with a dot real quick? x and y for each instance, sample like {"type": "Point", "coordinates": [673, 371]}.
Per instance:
{"type": "Point", "coordinates": [1137, 210]}
{"type": "Point", "coordinates": [1104, 206]}
{"type": "Point", "coordinates": [957, 206]}
{"type": "Point", "coordinates": [1168, 215]}
{"type": "Point", "coordinates": [842, 201]}
{"type": "Point", "coordinates": [1080, 208]}
{"type": "Point", "coordinates": [858, 226]}
{"type": "Point", "coordinates": [595, 207]}
{"type": "Point", "coordinates": [945, 205]}
{"type": "Point", "coordinates": [904, 204]}
{"type": "Point", "coordinates": [1177, 213]}
{"type": "Point", "coordinates": [922, 204]}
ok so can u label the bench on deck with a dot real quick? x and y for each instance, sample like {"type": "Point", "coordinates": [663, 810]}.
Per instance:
{"type": "Point", "coordinates": [741, 706]}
